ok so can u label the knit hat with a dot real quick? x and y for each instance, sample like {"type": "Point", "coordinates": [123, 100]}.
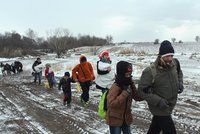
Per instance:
{"type": "Point", "coordinates": [67, 74]}
{"type": "Point", "coordinates": [103, 53]}
{"type": "Point", "coordinates": [47, 65]}
{"type": "Point", "coordinates": [83, 58]}
{"type": "Point", "coordinates": [166, 49]}
{"type": "Point", "coordinates": [123, 67]}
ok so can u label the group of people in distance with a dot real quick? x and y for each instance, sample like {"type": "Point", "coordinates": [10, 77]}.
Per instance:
{"type": "Point", "coordinates": [15, 67]}
{"type": "Point", "coordinates": [159, 86]}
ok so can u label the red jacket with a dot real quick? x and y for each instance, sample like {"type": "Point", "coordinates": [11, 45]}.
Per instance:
{"type": "Point", "coordinates": [48, 71]}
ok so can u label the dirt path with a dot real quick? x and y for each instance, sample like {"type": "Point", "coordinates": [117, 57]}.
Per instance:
{"type": "Point", "coordinates": [29, 108]}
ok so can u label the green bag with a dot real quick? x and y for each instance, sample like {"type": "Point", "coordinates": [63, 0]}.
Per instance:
{"type": "Point", "coordinates": [102, 108]}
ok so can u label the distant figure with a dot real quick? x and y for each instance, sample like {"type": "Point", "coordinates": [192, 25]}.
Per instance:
{"type": "Point", "coordinates": [6, 69]}
{"type": "Point", "coordinates": [159, 85]}
{"type": "Point", "coordinates": [49, 75]}
{"type": "Point", "coordinates": [84, 74]}
{"type": "Point", "coordinates": [65, 83]}
{"type": "Point", "coordinates": [37, 69]}
{"type": "Point", "coordinates": [105, 77]}
{"type": "Point", "coordinates": [17, 67]}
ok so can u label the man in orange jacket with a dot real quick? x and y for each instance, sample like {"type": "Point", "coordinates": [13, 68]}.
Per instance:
{"type": "Point", "coordinates": [84, 74]}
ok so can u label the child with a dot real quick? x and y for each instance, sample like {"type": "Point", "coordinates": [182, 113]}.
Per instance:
{"type": "Point", "coordinates": [49, 74]}
{"type": "Point", "coordinates": [65, 83]}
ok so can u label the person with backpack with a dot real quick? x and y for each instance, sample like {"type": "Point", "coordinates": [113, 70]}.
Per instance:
{"type": "Point", "coordinates": [37, 69]}
{"type": "Point", "coordinates": [49, 75]}
{"type": "Point", "coordinates": [160, 85]}
{"type": "Point", "coordinates": [84, 74]}
{"type": "Point", "coordinates": [119, 100]}
{"type": "Point", "coordinates": [105, 77]}
{"type": "Point", "coordinates": [65, 83]}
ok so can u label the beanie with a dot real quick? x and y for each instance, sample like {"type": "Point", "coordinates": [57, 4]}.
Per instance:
{"type": "Point", "coordinates": [103, 53]}
{"type": "Point", "coordinates": [67, 74]}
{"type": "Point", "coordinates": [166, 49]}
{"type": "Point", "coordinates": [123, 67]}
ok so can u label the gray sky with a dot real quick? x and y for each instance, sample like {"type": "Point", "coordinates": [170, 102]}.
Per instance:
{"type": "Point", "coordinates": [130, 20]}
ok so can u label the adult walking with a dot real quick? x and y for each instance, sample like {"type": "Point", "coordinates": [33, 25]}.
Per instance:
{"type": "Point", "coordinates": [105, 77]}
{"type": "Point", "coordinates": [159, 85]}
{"type": "Point", "coordinates": [84, 74]}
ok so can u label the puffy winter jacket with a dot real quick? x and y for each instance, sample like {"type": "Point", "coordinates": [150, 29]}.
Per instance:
{"type": "Point", "coordinates": [104, 80]}
{"type": "Point", "coordinates": [83, 72]}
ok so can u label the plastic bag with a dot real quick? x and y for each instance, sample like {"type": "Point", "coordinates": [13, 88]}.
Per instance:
{"type": "Point", "coordinates": [78, 88]}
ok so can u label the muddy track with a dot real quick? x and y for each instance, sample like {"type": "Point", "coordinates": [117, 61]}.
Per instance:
{"type": "Point", "coordinates": [29, 108]}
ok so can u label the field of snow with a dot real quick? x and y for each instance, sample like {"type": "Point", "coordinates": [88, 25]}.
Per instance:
{"type": "Point", "coordinates": [28, 108]}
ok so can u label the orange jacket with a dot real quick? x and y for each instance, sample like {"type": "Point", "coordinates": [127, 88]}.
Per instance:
{"type": "Point", "coordinates": [83, 72]}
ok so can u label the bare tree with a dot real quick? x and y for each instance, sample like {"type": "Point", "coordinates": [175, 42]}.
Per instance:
{"type": "Point", "coordinates": [173, 39]}
{"type": "Point", "coordinates": [109, 39]}
{"type": "Point", "coordinates": [197, 38]}
{"type": "Point", "coordinates": [31, 34]}
{"type": "Point", "coordinates": [57, 40]}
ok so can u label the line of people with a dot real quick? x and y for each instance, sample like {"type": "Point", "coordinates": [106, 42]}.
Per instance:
{"type": "Point", "coordinates": [15, 67]}
{"type": "Point", "coordinates": [159, 86]}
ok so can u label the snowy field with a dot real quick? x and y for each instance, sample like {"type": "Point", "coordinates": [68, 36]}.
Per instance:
{"type": "Point", "coordinates": [28, 108]}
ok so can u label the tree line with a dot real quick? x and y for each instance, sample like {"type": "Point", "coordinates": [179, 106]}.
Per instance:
{"type": "Point", "coordinates": [59, 40]}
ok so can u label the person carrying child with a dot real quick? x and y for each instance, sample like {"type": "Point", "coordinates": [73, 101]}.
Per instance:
{"type": "Point", "coordinates": [65, 83]}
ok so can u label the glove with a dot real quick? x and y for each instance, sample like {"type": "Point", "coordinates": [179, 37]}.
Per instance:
{"type": "Point", "coordinates": [163, 104]}
{"type": "Point", "coordinates": [148, 89]}
{"type": "Point", "coordinates": [127, 88]}
{"type": "Point", "coordinates": [181, 87]}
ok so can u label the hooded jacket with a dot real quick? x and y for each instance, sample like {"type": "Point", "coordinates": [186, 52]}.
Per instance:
{"type": "Point", "coordinates": [83, 71]}
{"type": "Point", "coordinates": [119, 105]}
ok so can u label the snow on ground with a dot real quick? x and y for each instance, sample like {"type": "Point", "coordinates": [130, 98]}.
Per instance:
{"type": "Point", "coordinates": [186, 113]}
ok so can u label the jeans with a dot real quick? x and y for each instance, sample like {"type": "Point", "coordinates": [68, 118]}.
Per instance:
{"type": "Point", "coordinates": [117, 130]}
{"type": "Point", "coordinates": [39, 76]}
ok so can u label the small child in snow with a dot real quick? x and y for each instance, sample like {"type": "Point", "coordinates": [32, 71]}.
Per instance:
{"type": "Point", "coordinates": [49, 74]}
{"type": "Point", "coordinates": [65, 83]}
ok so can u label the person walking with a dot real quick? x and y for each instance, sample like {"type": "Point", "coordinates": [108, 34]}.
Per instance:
{"type": "Point", "coordinates": [49, 75]}
{"type": "Point", "coordinates": [37, 68]}
{"type": "Point", "coordinates": [105, 77]}
{"type": "Point", "coordinates": [159, 85]}
{"type": "Point", "coordinates": [84, 74]}
{"type": "Point", "coordinates": [119, 100]}
{"type": "Point", "coordinates": [65, 84]}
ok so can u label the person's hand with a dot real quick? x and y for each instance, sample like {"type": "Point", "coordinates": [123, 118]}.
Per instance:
{"type": "Point", "coordinates": [148, 89]}
{"type": "Point", "coordinates": [76, 80]}
{"type": "Point", "coordinates": [163, 104]}
{"type": "Point", "coordinates": [127, 88]}
{"type": "Point", "coordinates": [181, 88]}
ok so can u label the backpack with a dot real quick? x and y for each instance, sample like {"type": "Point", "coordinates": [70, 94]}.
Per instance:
{"type": "Point", "coordinates": [153, 68]}
{"type": "Point", "coordinates": [102, 108]}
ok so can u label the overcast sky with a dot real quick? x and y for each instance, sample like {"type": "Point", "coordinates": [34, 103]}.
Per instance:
{"type": "Point", "coordinates": [130, 20]}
